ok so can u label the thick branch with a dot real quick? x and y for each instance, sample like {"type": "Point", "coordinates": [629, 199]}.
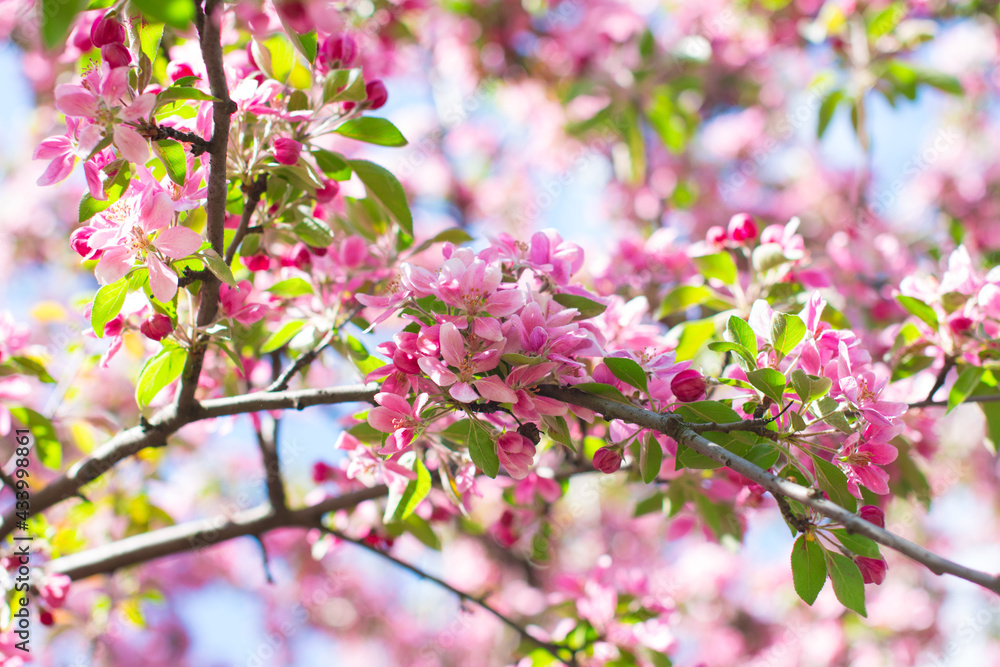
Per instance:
{"type": "Point", "coordinates": [197, 535]}
{"type": "Point", "coordinates": [673, 427]}
{"type": "Point", "coordinates": [167, 421]}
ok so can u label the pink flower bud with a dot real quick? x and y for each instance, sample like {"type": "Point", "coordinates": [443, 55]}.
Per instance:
{"type": "Point", "coordinates": [286, 151]}
{"type": "Point", "coordinates": [339, 51]}
{"type": "Point", "coordinates": [742, 228]}
{"type": "Point", "coordinates": [607, 460]}
{"type": "Point", "coordinates": [79, 240]}
{"type": "Point", "coordinates": [299, 256]}
{"type": "Point", "coordinates": [45, 618]}
{"type": "Point", "coordinates": [107, 31]}
{"type": "Point", "coordinates": [178, 70]}
{"type": "Point", "coordinates": [772, 234]}
{"type": "Point", "coordinates": [377, 94]}
{"type": "Point", "coordinates": [960, 324]}
{"type": "Point", "coordinates": [81, 39]}
{"type": "Point", "coordinates": [872, 514]}
{"type": "Point", "coordinates": [872, 569]}
{"type": "Point", "coordinates": [115, 326]}
{"type": "Point", "coordinates": [116, 55]}
{"type": "Point", "coordinates": [258, 262]}
{"type": "Point", "coordinates": [321, 472]}
{"type": "Point", "coordinates": [688, 385]}
{"type": "Point", "coordinates": [295, 15]}
{"type": "Point", "coordinates": [716, 236]}
{"type": "Point", "coordinates": [156, 327]}
{"type": "Point", "coordinates": [516, 453]}
{"type": "Point", "coordinates": [54, 590]}
{"type": "Point", "coordinates": [328, 192]}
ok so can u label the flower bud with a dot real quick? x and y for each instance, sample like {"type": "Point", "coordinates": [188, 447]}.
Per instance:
{"type": "Point", "coordinates": [339, 50]}
{"type": "Point", "coordinates": [79, 240]}
{"type": "Point", "coordinates": [716, 236]}
{"type": "Point", "coordinates": [258, 262]}
{"type": "Point", "coordinates": [607, 460]}
{"type": "Point", "coordinates": [178, 70]}
{"type": "Point", "coordinates": [772, 234]}
{"type": "Point", "coordinates": [81, 39]}
{"type": "Point", "coordinates": [114, 327]}
{"type": "Point", "coordinates": [286, 151]}
{"type": "Point", "coordinates": [326, 194]}
{"type": "Point", "coordinates": [872, 514]}
{"type": "Point", "coordinates": [688, 385]}
{"type": "Point", "coordinates": [321, 472]}
{"type": "Point", "coordinates": [156, 327]}
{"type": "Point", "coordinates": [960, 324]}
{"type": "Point", "coordinates": [742, 228]}
{"type": "Point", "coordinates": [377, 94]}
{"type": "Point", "coordinates": [872, 569]}
{"type": "Point", "coordinates": [107, 31]}
{"type": "Point", "coordinates": [299, 256]}
{"type": "Point", "coordinates": [116, 55]}
{"type": "Point", "coordinates": [45, 617]}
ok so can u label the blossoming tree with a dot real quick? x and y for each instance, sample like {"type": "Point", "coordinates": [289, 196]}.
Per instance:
{"type": "Point", "coordinates": [573, 450]}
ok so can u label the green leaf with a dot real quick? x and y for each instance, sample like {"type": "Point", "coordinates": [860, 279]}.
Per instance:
{"type": "Point", "coordinates": [833, 480]}
{"type": "Point", "coordinates": [768, 256]}
{"type": "Point", "coordinates": [57, 18]}
{"type": "Point", "coordinates": [588, 307]}
{"type": "Point", "coordinates": [107, 304]}
{"type": "Point", "coordinates": [114, 188]}
{"type": "Point", "coordinates": [763, 455]}
{"type": "Point", "coordinates": [47, 446]}
{"type": "Point", "coordinates": [455, 235]}
{"type": "Point", "coordinates": [482, 443]}
{"type": "Point", "coordinates": [344, 85]}
{"type": "Point", "coordinates": [650, 459]}
{"type": "Point", "coordinates": [280, 337]}
{"type": "Point", "coordinates": [376, 131]}
{"type": "Point", "coordinates": [416, 490]}
{"type": "Point", "coordinates": [176, 13]}
{"type": "Point", "coordinates": [920, 309]}
{"type": "Point", "coordinates": [720, 265]}
{"type": "Point", "coordinates": [858, 544]}
{"type": "Point", "coordinates": [297, 176]}
{"type": "Point", "coordinates": [386, 189]}
{"type": "Point", "coordinates": [744, 358]}
{"type": "Point", "coordinates": [967, 380]}
{"type": "Point", "coordinates": [291, 287]}
{"type": "Point", "coordinates": [707, 412]}
{"type": "Point", "coordinates": [627, 371]}
{"type": "Point", "coordinates": [150, 35]}
{"type": "Point", "coordinates": [940, 80]}
{"type": "Point", "coordinates": [826, 111]}
{"type": "Point", "coordinates": [601, 389]}
{"type": "Point", "coordinates": [649, 505]}
{"type": "Point", "coordinates": [158, 372]}
{"type": "Point", "coordinates": [314, 232]}
{"type": "Point", "coordinates": [692, 337]}
{"type": "Point", "coordinates": [217, 266]}
{"type": "Point", "coordinates": [306, 44]}
{"type": "Point", "coordinates": [333, 165]}
{"type": "Point", "coordinates": [176, 93]}
{"type": "Point", "coordinates": [738, 331]}
{"type": "Point", "coordinates": [848, 584]}
{"type": "Point", "coordinates": [808, 568]}
{"type": "Point", "coordinates": [769, 382]}
{"type": "Point", "coordinates": [787, 331]}
{"type": "Point", "coordinates": [30, 366]}
{"type": "Point", "coordinates": [422, 530]}
{"type": "Point", "coordinates": [515, 359]}
{"type": "Point", "coordinates": [685, 296]}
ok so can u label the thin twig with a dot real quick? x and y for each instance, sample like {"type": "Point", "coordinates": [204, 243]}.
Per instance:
{"type": "Point", "coordinates": [552, 649]}
{"type": "Point", "coordinates": [985, 398]}
{"type": "Point", "coordinates": [254, 191]}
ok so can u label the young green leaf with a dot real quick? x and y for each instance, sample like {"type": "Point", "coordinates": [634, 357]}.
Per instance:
{"type": "Point", "coordinates": [769, 382]}
{"type": "Point", "coordinates": [833, 480]}
{"type": "Point", "coordinates": [720, 265]}
{"type": "Point", "coordinates": [808, 568]}
{"type": "Point", "coordinates": [158, 372]}
{"type": "Point", "coordinates": [386, 189]}
{"type": "Point", "coordinates": [47, 446]}
{"type": "Point", "coordinates": [376, 131]}
{"type": "Point", "coordinates": [176, 13]}
{"type": "Point", "coordinates": [920, 309]}
{"type": "Point", "coordinates": [848, 584]}
{"type": "Point", "coordinates": [650, 459]}
{"type": "Point", "coordinates": [787, 331]}
{"type": "Point", "coordinates": [588, 307]}
{"type": "Point", "coordinates": [739, 332]}
{"type": "Point", "coordinates": [482, 443]}
{"type": "Point", "coordinates": [107, 304]}
{"type": "Point", "coordinates": [858, 544]}
{"type": "Point", "coordinates": [291, 287]}
{"type": "Point", "coordinates": [280, 337]}
{"type": "Point", "coordinates": [171, 154]}
{"type": "Point", "coordinates": [967, 381]}
{"type": "Point", "coordinates": [627, 371]}
{"type": "Point", "coordinates": [416, 490]}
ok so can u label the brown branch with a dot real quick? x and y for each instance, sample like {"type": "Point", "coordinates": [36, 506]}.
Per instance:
{"type": "Point", "coordinates": [207, 20]}
{"type": "Point", "coordinates": [552, 649]}
{"type": "Point", "coordinates": [985, 398]}
{"type": "Point", "coordinates": [676, 429]}
{"type": "Point", "coordinates": [197, 535]}
{"type": "Point", "coordinates": [154, 433]}
{"type": "Point", "coordinates": [254, 191]}
{"type": "Point", "coordinates": [267, 441]}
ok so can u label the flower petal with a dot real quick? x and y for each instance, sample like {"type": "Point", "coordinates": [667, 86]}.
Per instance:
{"type": "Point", "coordinates": [162, 279]}
{"type": "Point", "coordinates": [178, 242]}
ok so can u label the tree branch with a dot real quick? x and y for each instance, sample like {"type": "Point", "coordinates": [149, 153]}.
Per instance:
{"type": "Point", "coordinates": [267, 440]}
{"type": "Point", "coordinates": [254, 191]}
{"type": "Point", "coordinates": [552, 649]}
{"type": "Point", "coordinates": [985, 398]}
{"type": "Point", "coordinates": [153, 433]}
{"type": "Point", "coordinates": [676, 429]}
{"type": "Point", "coordinates": [197, 535]}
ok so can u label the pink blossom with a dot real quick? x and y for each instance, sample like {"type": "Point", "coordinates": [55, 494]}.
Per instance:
{"type": "Point", "coordinates": [861, 457]}
{"type": "Point", "coordinates": [517, 454]}
{"type": "Point", "coordinates": [872, 569]}
{"type": "Point", "coordinates": [156, 327]}
{"type": "Point", "coordinates": [742, 228]}
{"type": "Point", "coordinates": [233, 303]}
{"type": "Point", "coordinates": [863, 392]}
{"type": "Point", "coordinates": [286, 151]}
{"type": "Point", "coordinates": [376, 94]}
{"type": "Point", "coordinates": [872, 514]}
{"type": "Point", "coordinates": [395, 416]}
{"type": "Point", "coordinates": [688, 386]}
{"type": "Point", "coordinates": [53, 590]}
{"type": "Point", "coordinates": [607, 460]}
